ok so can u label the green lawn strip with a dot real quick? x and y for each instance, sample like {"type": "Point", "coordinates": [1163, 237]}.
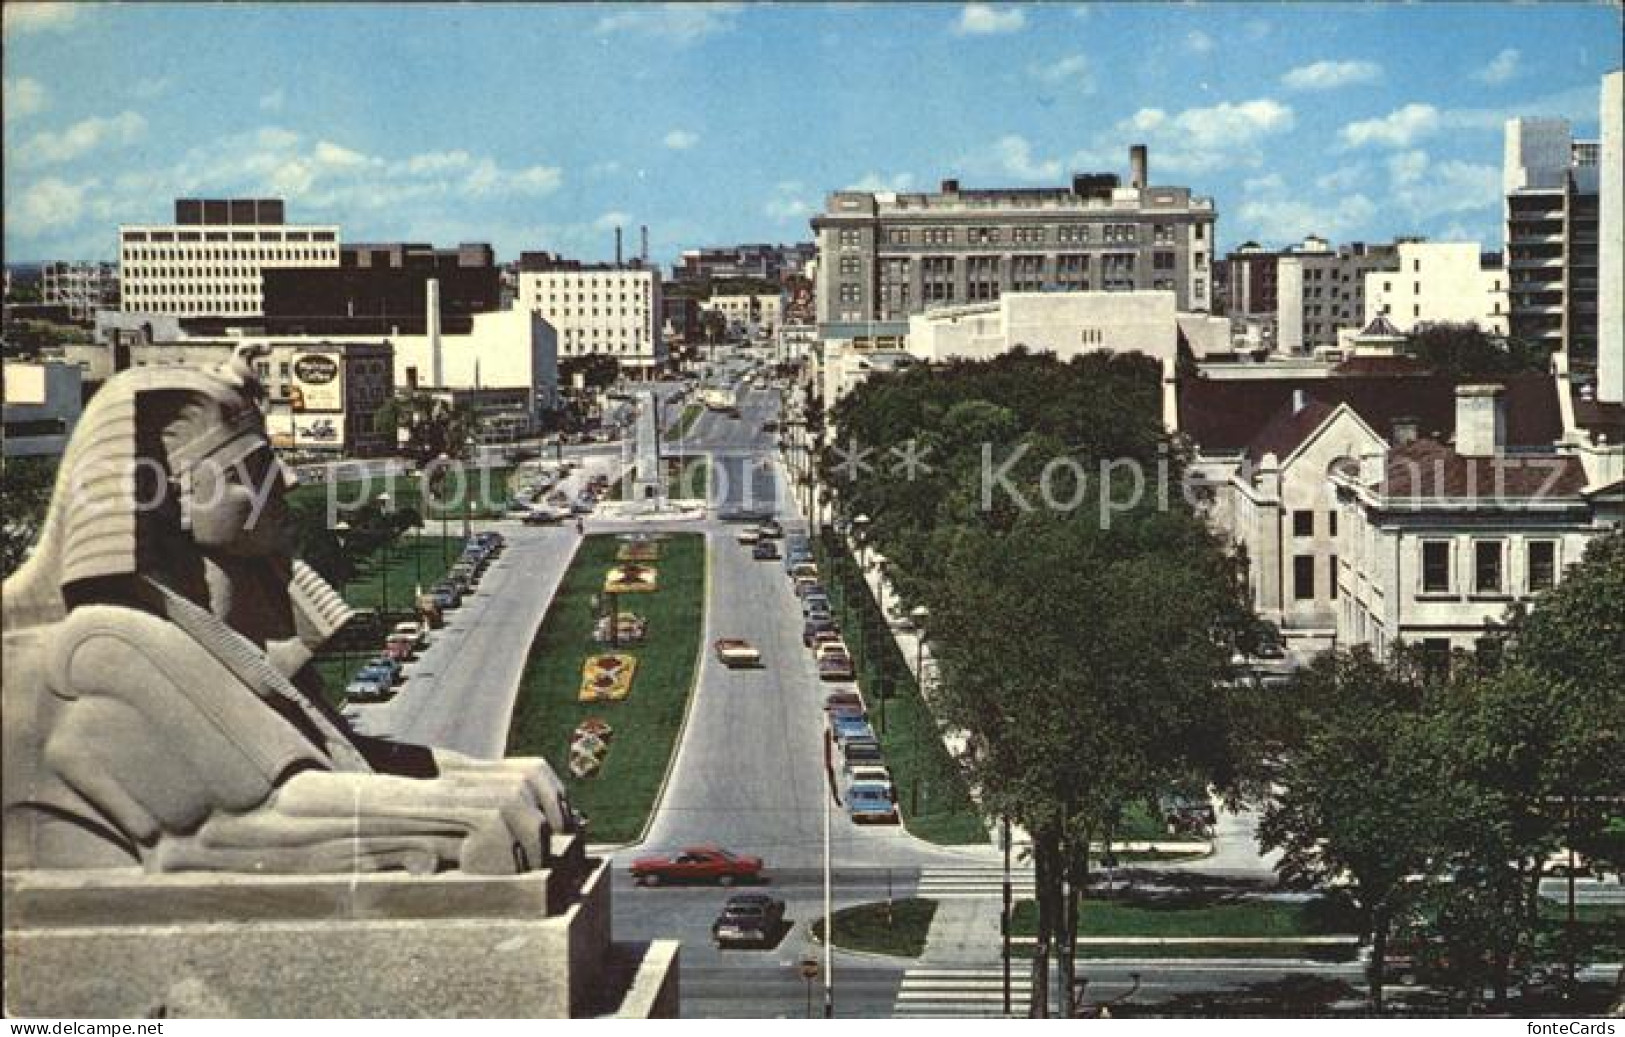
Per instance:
{"type": "Point", "coordinates": [866, 927]}
{"type": "Point", "coordinates": [686, 477]}
{"type": "Point", "coordinates": [685, 421]}
{"type": "Point", "coordinates": [485, 493]}
{"type": "Point", "coordinates": [1152, 918]}
{"type": "Point", "coordinates": [646, 723]}
{"type": "Point", "coordinates": [412, 562]}
{"type": "Point", "coordinates": [932, 794]}
{"type": "Point", "coordinates": [1599, 931]}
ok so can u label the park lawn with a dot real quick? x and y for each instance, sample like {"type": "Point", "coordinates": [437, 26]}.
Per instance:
{"type": "Point", "coordinates": [691, 413]}
{"type": "Point", "coordinates": [617, 800]}
{"type": "Point", "coordinates": [486, 496]}
{"type": "Point", "coordinates": [397, 573]}
{"type": "Point", "coordinates": [866, 927]}
{"type": "Point", "coordinates": [1138, 917]}
{"type": "Point", "coordinates": [932, 794]}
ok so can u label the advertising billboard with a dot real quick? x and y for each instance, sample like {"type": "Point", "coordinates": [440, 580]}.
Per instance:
{"type": "Point", "coordinates": [316, 384]}
{"type": "Point", "coordinates": [313, 431]}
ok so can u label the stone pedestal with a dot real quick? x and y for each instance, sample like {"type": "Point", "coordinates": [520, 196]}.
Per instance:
{"type": "Point", "coordinates": [123, 944]}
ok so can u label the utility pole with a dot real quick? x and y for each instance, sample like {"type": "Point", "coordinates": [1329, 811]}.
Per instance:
{"type": "Point", "coordinates": [1004, 913]}
{"type": "Point", "coordinates": [829, 899]}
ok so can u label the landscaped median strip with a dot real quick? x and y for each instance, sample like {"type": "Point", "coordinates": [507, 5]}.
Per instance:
{"type": "Point", "coordinates": [618, 794]}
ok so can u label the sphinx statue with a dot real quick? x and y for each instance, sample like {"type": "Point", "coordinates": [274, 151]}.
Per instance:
{"type": "Point", "coordinates": [159, 709]}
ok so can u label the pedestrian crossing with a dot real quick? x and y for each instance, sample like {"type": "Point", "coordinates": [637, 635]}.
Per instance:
{"type": "Point", "coordinates": [950, 992]}
{"type": "Point", "coordinates": [974, 883]}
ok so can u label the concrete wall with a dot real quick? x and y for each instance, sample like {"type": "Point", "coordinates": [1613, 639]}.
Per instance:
{"type": "Point", "coordinates": [1442, 283]}
{"type": "Point", "coordinates": [1067, 324]}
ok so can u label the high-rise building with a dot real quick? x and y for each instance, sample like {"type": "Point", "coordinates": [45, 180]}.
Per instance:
{"type": "Point", "coordinates": [1439, 283]}
{"type": "Point", "coordinates": [1320, 290]}
{"type": "Point", "coordinates": [597, 309]}
{"type": "Point", "coordinates": [383, 289]}
{"type": "Point", "coordinates": [209, 261]}
{"type": "Point", "coordinates": [1611, 244]}
{"type": "Point", "coordinates": [1551, 186]}
{"type": "Point", "coordinates": [760, 262]}
{"type": "Point", "coordinates": [83, 288]}
{"type": "Point", "coordinates": [886, 255]}
{"type": "Point", "coordinates": [1252, 270]}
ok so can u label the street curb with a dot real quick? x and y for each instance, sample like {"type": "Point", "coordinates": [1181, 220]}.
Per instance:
{"type": "Point", "coordinates": [693, 693]}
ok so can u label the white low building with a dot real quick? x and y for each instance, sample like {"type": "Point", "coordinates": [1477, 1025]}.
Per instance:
{"type": "Point", "coordinates": [597, 310]}
{"type": "Point", "coordinates": [1439, 283]}
{"type": "Point", "coordinates": [1066, 324]}
{"type": "Point", "coordinates": [756, 315]}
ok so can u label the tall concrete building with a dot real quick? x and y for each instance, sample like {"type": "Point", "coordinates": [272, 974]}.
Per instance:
{"type": "Point", "coordinates": [597, 309]}
{"type": "Point", "coordinates": [884, 256]}
{"type": "Point", "coordinates": [83, 288]}
{"type": "Point", "coordinates": [1611, 244]}
{"type": "Point", "coordinates": [209, 261]}
{"type": "Point", "coordinates": [1551, 186]}
{"type": "Point", "coordinates": [1439, 283]}
{"type": "Point", "coordinates": [1320, 291]}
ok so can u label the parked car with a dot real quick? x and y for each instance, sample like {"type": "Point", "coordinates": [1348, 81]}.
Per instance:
{"type": "Point", "coordinates": [835, 668]}
{"type": "Point", "coordinates": [770, 528]}
{"type": "Point", "coordinates": [804, 570]}
{"type": "Point", "coordinates": [844, 697]}
{"type": "Point", "coordinates": [367, 687]}
{"type": "Point", "coordinates": [814, 601]}
{"type": "Point", "coordinates": [748, 535]}
{"type": "Point", "coordinates": [815, 625]}
{"type": "Point", "coordinates": [739, 514]}
{"type": "Point", "coordinates": [418, 631]}
{"type": "Point", "coordinates": [543, 517]}
{"type": "Point", "coordinates": [861, 753]}
{"type": "Point", "coordinates": [846, 726]}
{"type": "Point", "coordinates": [749, 918]}
{"type": "Point", "coordinates": [399, 649]}
{"type": "Point", "coordinates": [873, 775]}
{"type": "Point", "coordinates": [381, 668]}
{"type": "Point", "coordinates": [764, 551]}
{"type": "Point", "coordinates": [871, 802]}
{"type": "Point", "coordinates": [735, 651]}
{"type": "Point", "coordinates": [446, 596]}
{"type": "Point", "coordinates": [708, 863]}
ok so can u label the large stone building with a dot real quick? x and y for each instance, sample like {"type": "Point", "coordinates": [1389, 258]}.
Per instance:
{"type": "Point", "coordinates": [384, 289]}
{"type": "Point", "coordinates": [1611, 245]}
{"type": "Point", "coordinates": [1320, 291]}
{"type": "Point", "coordinates": [1551, 184]}
{"type": "Point", "coordinates": [1439, 283]}
{"type": "Point", "coordinates": [597, 309]}
{"type": "Point", "coordinates": [209, 262]}
{"type": "Point", "coordinates": [83, 288]}
{"type": "Point", "coordinates": [730, 262]}
{"type": "Point", "coordinates": [40, 404]}
{"type": "Point", "coordinates": [885, 256]}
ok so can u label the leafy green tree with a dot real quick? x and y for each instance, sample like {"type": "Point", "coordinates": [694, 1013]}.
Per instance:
{"type": "Point", "coordinates": [25, 497]}
{"type": "Point", "coordinates": [1358, 801]}
{"type": "Point", "coordinates": [434, 427]}
{"type": "Point", "coordinates": [1465, 351]}
{"type": "Point", "coordinates": [597, 370]}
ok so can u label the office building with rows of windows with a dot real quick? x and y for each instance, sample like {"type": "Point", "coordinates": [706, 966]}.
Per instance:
{"type": "Point", "coordinates": [1552, 200]}
{"type": "Point", "coordinates": [884, 256]}
{"type": "Point", "coordinates": [209, 261]}
{"type": "Point", "coordinates": [597, 309]}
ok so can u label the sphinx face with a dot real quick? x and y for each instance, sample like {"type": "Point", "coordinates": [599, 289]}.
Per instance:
{"type": "Point", "coordinates": [240, 506]}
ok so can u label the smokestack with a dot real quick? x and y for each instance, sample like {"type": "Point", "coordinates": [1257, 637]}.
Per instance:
{"type": "Point", "coordinates": [1137, 167]}
{"type": "Point", "coordinates": [645, 253]}
{"type": "Point", "coordinates": [431, 321]}
{"type": "Point", "coordinates": [617, 248]}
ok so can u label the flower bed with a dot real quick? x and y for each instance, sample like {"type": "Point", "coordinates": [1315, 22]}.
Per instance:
{"type": "Point", "coordinates": [607, 678]}
{"type": "Point", "coordinates": [631, 579]}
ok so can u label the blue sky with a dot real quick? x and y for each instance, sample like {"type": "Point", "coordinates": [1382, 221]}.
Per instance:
{"type": "Point", "coordinates": [544, 126]}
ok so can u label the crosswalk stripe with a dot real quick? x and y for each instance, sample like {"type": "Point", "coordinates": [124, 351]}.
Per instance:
{"type": "Point", "coordinates": [949, 991]}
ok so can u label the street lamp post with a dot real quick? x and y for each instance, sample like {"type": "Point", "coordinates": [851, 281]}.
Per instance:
{"type": "Point", "coordinates": [383, 505]}
{"type": "Point", "coordinates": [445, 533]}
{"type": "Point", "coordinates": [919, 615]}
{"type": "Point", "coordinates": [341, 530]}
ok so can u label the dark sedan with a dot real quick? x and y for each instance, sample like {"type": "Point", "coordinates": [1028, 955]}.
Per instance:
{"type": "Point", "coordinates": [749, 918]}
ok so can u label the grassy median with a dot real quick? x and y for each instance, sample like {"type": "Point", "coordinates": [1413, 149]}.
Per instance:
{"type": "Point", "coordinates": [1213, 920]}
{"type": "Point", "coordinates": [482, 493]}
{"type": "Point", "coordinates": [619, 798]}
{"type": "Point", "coordinates": [391, 577]}
{"type": "Point", "coordinates": [898, 930]}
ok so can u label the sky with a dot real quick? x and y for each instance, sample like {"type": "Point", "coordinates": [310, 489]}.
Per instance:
{"type": "Point", "coordinates": [544, 126]}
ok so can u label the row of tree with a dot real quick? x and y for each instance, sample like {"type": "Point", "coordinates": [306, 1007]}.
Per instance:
{"type": "Point", "coordinates": [1090, 664]}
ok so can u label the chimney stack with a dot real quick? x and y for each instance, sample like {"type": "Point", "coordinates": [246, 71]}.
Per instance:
{"type": "Point", "coordinates": [1480, 421]}
{"type": "Point", "coordinates": [1137, 167]}
{"type": "Point", "coordinates": [1299, 400]}
{"type": "Point", "coordinates": [617, 248]}
{"type": "Point", "coordinates": [1405, 431]}
{"type": "Point", "coordinates": [644, 230]}
{"type": "Point", "coordinates": [950, 187]}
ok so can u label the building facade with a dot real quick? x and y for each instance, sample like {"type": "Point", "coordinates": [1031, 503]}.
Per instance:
{"type": "Point", "coordinates": [749, 314]}
{"type": "Point", "coordinates": [760, 262]}
{"type": "Point", "coordinates": [1444, 283]}
{"type": "Point", "coordinates": [40, 404]}
{"type": "Point", "coordinates": [84, 288]}
{"type": "Point", "coordinates": [1611, 244]}
{"type": "Point", "coordinates": [1551, 183]}
{"type": "Point", "coordinates": [1320, 291]}
{"type": "Point", "coordinates": [597, 309]}
{"type": "Point", "coordinates": [210, 261]}
{"type": "Point", "coordinates": [886, 256]}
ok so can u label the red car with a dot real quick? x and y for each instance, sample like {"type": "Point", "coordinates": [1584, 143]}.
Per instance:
{"type": "Point", "coordinates": [697, 864]}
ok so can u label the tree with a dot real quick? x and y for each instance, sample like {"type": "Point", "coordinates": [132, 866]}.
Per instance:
{"type": "Point", "coordinates": [25, 497]}
{"type": "Point", "coordinates": [1358, 798]}
{"type": "Point", "coordinates": [1464, 351]}
{"type": "Point", "coordinates": [597, 370]}
{"type": "Point", "coordinates": [434, 427]}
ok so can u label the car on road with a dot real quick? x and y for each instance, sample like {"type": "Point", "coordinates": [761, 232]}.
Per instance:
{"type": "Point", "coordinates": [749, 918]}
{"type": "Point", "coordinates": [708, 863]}
{"type": "Point", "coordinates": [816, 624]}
{"type": "Point", "coordinates": [583, 506]}
{"type": "Point", "coordinates": [543, 517]}
{"type": "Point", "coordinates": [736, 651]}
{"type": "Point", "coordinates": [748, 535]}
{"type": "Point", "coordinates": [871, 802]}
{"type": "Point", "coordinates": [770, 528]}
{"type": "Point", "coordinates": [860, 752]}
{"type": "Point", "coordinates": [835, 668]}
{"type": "Point", "coordinates": [845, 726]}
{"type": "Point", "coordinates": [516, 509]}
{"type": "Point", "coordinates": [844, 697]}
{"type": "Point", "coordinates": [764, 551]}
{"type": "Point", "coordinates": [743, 514]}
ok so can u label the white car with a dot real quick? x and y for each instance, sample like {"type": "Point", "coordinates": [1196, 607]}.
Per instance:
{"type": "Point", "coordinates": [749, 535]}
{"type": "Point", "coordinates": [418, 631]}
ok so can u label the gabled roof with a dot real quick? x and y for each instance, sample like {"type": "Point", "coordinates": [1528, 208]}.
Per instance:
{"type": "Point", "coordinates": [1287, 430]}
{"type": "Point", "coordinates": [1225, 415]}
{"type": "Point", "coordinates": [1427, 469]}
{"type": "Point", "coordinates": [1380, 327]}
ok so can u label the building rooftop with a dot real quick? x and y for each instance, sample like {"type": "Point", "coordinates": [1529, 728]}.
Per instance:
{"type": "Point", "coordinates": [1288, 429]}
{"type": "Point", "coordinates": [1429, 469]}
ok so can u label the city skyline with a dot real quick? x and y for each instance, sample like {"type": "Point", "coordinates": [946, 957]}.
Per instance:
{"type": "Point", "coordinates": [731, 122]}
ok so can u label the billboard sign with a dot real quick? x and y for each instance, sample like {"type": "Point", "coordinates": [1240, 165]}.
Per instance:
{"type": "Point", "coordinates": [317, 432]}
{"type": "Point", "coordinates": [317, 383]}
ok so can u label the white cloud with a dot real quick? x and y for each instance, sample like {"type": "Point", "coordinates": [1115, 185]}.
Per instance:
{"type": "Point", "coordinates": [1072, 72]}
{"type": "Point", "coordinates": [1199, 140]}
{"type": "Point", "coordinates": [1423, 188]}
{"type": "Point", "coordinates": [535, 180]}
{"type": "Point", "coordinates": [83, 137]}
{"type": "Point", "coordinates": [1267, 184]}
{"type": "Point", "coordinates": [788, 202]}
{"type": "Point", "coordinates": [1502, 67]}
{"type": "Point", "coordinates": [23, 18]}
{"type": "Point", "coordinates": [681, 24]}
{"type": "Point", "coordinates": [1015, 157]}
{"type": "Point", "coordinates": [45, 206]}
{"type": "Point", "coordinates": [610, 220]}
{"type": "Point", "coordinates": [988, 19]}
{"type": "Point", "coordinates": [1278, 218]}
{"type": "Point", "coordinates": [681, 140]}
{"type": "Point", "coordinates": [1329, 75]}
{"type": "Point", "coordinates": [1398, 129]}
{"type": "Point", "coordinates": [24, 97]}
{"type": "Point", "coordinates": [1343, 178]}
{"type": "Point", "coordinates": [877, 182]}
{"type": "Point", "coordinates": [273, 101]}
{"type": "Point", "coordinates": [1199, 42]}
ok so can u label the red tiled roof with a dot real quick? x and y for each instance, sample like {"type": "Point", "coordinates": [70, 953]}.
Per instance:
{"type": "Point", "coordinates": [1288, 429]}
{"type": "Point", "coordinates": [1425, 468]}
{"type": "Point", "coordinates": [1228, 414]}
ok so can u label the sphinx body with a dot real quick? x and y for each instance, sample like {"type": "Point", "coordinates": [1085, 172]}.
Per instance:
{"type": "Point", "coordinates": [158, 707]}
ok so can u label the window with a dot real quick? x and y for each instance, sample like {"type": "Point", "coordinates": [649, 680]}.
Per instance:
{"type": "Point", "coordinates": [1542, 565]}
{"type": "Point", "coordinates": [1162, 260]}
{"type": "Point", "coordinates": [851, 265]}
{"type": "Point", "coordinates": [1331, 523]}
{"type": "Point", "coordinates": [1436, 567]}
{"type": "Point", "coordinates": [897, 236]}
{"type": "Point", "coordinates": [849, 237]}
{"type": "Point", "coordinates": [1303, 523]}
{"type": "Point", "coordinates": [1331, 576]}
{"type": "Point", "coordinates": [1303, 577]}
{"type": "Point", "coordinates": [1487, 574]}
{"type": "Point", "coordinates": [1436, 656]}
